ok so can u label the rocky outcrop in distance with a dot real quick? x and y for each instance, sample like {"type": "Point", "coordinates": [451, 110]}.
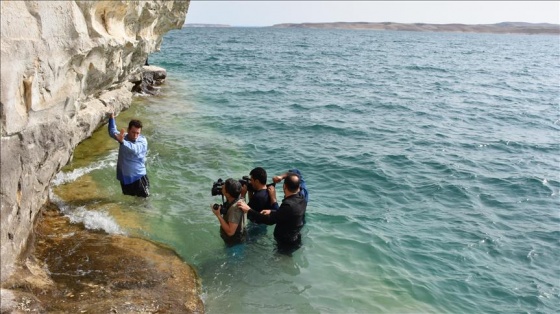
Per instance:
{"type": "Point", "coordinates": [499, 28]}
{"type": "Point", "coordinates": [64, 66]}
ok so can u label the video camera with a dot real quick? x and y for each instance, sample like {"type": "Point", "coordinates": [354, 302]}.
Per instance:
{"type": "Point", "coordinates": [217, 187]}
{"type": "Point", "coordinates": [217, 190]}
{"type": "Point", "coordinates": [245, 180]}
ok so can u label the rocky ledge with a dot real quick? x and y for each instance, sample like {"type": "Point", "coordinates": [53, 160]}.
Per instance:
{"type": "Point", "coordinates": [75, 270]}
{"type": "Point", "coordinates": [148, 80]}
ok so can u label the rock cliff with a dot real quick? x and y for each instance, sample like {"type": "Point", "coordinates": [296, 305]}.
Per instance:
{"type": "Point", "coordinates": [64, 66]}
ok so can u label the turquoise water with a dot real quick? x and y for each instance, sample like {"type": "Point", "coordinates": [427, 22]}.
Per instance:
{"type": "Point", "coordinates": [432, 161]}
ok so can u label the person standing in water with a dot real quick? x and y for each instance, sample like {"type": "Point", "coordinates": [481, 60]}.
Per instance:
{"type": "Point", "coordinates": [231, 218]}
{"type": "Point", "coordinates": [259, 195]}
{"type": "Point", "coordinates": [131, 163]}
{"type": "Point", "coordinates": [289, 218]}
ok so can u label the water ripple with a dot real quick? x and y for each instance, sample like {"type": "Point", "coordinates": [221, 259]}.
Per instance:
{"type": "Point", "coordinates": [431, 158]}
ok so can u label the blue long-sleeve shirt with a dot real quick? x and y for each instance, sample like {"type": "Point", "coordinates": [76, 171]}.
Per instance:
{"type": "Point", "coordinates": [131, 164]}
{"type": "Point", "coordinates": [302, 186]}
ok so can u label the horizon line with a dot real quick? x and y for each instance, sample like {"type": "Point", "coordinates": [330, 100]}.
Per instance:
{"type": "Point", "coordinates": [236, 25]}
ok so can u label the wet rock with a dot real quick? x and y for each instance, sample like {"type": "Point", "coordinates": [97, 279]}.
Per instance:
{"type": "Point", "coordinates": [57, 58]}
{"type": "Point", "coordinates": [75, 270]}
{"type": "Point", "coordinates": [149, 80]}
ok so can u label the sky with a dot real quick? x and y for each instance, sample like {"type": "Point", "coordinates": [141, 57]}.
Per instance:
{"type": "Point", "coordinates": [267, 13]}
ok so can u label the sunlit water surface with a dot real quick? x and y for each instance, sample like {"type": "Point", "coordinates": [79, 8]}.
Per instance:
{"type": "Point", "coordinates": [432, 161]}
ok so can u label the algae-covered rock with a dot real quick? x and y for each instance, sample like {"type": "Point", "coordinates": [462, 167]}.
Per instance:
{"type": "Point", "coordinates": [75, 270]}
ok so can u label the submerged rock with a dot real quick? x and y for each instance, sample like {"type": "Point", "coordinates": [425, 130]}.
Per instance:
{"type": "Point", "coordinates": [75, 270]}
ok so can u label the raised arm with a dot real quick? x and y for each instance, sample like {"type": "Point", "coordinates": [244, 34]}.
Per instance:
{"type": "Point", "coordinates": [273, 200]}
{"type": "Point", "coordinates": [302, 185]}
{"type": "Point", "coordinates": [112, 127]}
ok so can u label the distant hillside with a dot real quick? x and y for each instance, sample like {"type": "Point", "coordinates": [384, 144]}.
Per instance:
{"type": "Point", "coordinates": [501, 28]}
{"type": "Point", "coordinates": [205, 25]}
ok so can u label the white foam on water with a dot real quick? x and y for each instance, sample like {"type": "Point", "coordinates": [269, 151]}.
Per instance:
{"type": "Point", "coordinates": [553, 190]}
{"type": "Point", "coordinates": [66, 177]}
{"type": "Point", "coordinates": [92, 219]}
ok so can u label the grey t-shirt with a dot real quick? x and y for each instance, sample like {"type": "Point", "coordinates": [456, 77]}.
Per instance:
{"type": "Point", "coordinates": [234, 215]}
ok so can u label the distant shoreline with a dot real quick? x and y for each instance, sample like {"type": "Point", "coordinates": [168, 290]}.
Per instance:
{"type": "Point", "coordinates": [196, 25]}
{"type": "Point", "coordinates": [498, 28]}
{"type": "Point", "coordinates": [502, 28]}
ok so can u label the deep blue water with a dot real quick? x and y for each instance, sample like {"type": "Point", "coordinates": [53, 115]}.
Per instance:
{"type": "Point", "coordinates": [432, 161]}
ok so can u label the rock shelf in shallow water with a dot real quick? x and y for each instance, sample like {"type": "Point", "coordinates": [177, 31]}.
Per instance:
{"type": "Point", "coordinates": [75, 270]}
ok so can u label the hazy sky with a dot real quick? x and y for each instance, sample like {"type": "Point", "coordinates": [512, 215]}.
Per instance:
{"type": "Point", "coordinates": [266, 13]}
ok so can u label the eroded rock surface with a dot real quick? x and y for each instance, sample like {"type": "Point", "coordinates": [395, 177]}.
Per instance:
{"type": "Point", "coordinates": [149, 81]}
{"type": "Point", "coordinates": [75, 270]}
{"type": "Point", "coordinates": [64, 66]}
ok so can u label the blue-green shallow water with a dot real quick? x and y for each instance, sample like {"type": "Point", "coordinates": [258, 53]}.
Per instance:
{"type": "Point", "coordinates": [432, 161]}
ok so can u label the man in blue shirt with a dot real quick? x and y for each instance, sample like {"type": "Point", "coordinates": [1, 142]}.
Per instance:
{"type": "Point", "coordinates": [131, 164]}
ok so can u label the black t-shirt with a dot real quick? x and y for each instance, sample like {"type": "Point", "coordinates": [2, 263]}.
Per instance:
{"type": "Point", "coordinates": [259, 201]}
{"type": "Point", "coordinates": [289, 219]}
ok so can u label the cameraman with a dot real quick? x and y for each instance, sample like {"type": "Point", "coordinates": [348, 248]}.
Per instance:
{"type": "Point", "coordinates": [290, 216]}
{"type": "Point", "coordinates": [259, 196]}
{"type": "Point", "coordinates": [232, 224]}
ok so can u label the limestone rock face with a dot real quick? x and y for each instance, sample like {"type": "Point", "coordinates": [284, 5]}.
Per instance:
{"type": "Point", "coordinates": [64, 66]}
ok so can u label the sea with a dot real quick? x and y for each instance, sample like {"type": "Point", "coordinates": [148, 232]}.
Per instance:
{"type": "Point", "coordinates": [432, 162]}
